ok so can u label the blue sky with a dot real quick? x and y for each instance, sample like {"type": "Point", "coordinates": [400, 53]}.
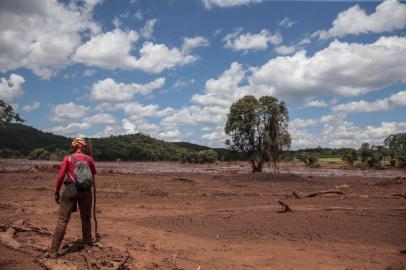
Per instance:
{"type": "Point", "coordinates": [171, 69]}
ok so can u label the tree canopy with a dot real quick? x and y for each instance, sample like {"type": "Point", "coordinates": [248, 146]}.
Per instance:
{"type": "Point", "coordinates": [7, 114]}
{"type": "Point", "coordinates": [258, 128]}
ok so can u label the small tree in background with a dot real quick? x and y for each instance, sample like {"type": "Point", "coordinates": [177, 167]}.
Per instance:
{"type": "Point", "coordinates": [397, 149]}
{"type": "Point", "coordinates": [258, 128]}
{"type": "Point", "coordinates": [350, 157]}
{"type": "Point", "coordinates": [311, 160]}
{"type": "Point", "coordinates": [7, 114]}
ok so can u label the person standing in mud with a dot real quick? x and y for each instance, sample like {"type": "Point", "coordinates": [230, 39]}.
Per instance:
{"type": "Point", "coordinates": [72, 195]}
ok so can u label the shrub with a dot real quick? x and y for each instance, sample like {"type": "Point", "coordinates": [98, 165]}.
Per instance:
{"type": "Point", "coordinates": [350, 157]}
{"type": "Point", "coordinates": [9, 153]}
{"type": "Point", "coordinates": [310, 160]}
{"type": "Point", "coordinates": [39, 153]}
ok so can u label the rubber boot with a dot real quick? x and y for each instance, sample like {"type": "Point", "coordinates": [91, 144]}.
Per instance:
{"type": "Point", "coordinates": [65, 210]}
{"type": "Point", "coordinates": [85, 207]}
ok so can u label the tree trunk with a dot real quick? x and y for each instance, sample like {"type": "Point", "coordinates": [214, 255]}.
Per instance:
{"type": "Point", "coordinates": [256, 166]}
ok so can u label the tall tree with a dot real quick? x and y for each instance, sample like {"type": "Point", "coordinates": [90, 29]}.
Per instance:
{"type": "Point", "coordinates": [7, 114]}
{"type": "Point", "coordinates": [258, 128]}
{"type": "Point", "coordinates": [275, 118]}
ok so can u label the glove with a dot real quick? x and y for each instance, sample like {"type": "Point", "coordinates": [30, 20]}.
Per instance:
{"type": "Point", "coordinates": [57, 197]}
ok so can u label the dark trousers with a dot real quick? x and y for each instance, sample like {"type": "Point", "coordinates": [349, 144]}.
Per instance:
{"type": "Point", "coordinates": [84, 200]}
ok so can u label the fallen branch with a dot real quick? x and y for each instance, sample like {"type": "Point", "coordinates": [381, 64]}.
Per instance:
{"type": "Point", "coordinates": [24, 226]}
{"type": "Point", "coordinates": [314, 194]}
{"type": "Point", "coordinates": [285, 207]}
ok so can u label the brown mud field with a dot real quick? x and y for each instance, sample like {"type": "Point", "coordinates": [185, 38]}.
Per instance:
{"type": "Point", "coordinates": [175, 216]}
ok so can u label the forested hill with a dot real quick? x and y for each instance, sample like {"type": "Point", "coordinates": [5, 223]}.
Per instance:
{"type": "Point", "coordinates": [24, 139]}
{"type": "Point", "coordinates": [19, 139]}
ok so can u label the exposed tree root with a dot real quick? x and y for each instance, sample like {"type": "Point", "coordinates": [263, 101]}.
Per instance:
{"type": "Point", "coordinates": [285, 207]}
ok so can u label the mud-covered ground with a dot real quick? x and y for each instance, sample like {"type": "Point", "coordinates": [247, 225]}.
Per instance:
{"type": "Point", "coordinates": [176, 216]}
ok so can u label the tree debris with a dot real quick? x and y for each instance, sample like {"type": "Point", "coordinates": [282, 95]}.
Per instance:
{"type": "Point", "coordinates": [6, 238]}
{"type": "Point", "coordinates": [285, 207]}
{"type": "Point", "coordinates": [314, 194]}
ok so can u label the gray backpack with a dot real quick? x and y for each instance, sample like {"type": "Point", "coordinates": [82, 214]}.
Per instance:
{"type": "Point", "coordinates": [83, 174]}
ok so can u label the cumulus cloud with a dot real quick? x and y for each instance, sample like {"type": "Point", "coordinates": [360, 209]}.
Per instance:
{"type": "Point", "coordinates": [71, 130]}
{"type": "Point", "coordinates": [208, 4]}
{"type": "Point", "coordinates": [11, 88]}
{"type": "Point", "coordinates": [137, 110]}
{"type": "Point", "coordinates": [347, 134]}
{"type": "Point", "coordinates": [155, 58]}
{"type": "Point", "coordinates": [316, 103]}
{"type": "Point", "coordinates": [100, 118]}
{"type": "Point", "coordinates": [108, 90]}
{"type": "Point", "coordinates": [346, 69]}
{"type": "Point", "coordinates": [31, 107]}
{"type": "Point", "coordinates": [299, 122]}
{"type": "Point", "coordinates": [68, 111]}
{"type": "Point", "coordinates": [42, 35]}
{"type": "Point", "coordinates": [239, 41]}
{"type": "Point", "coordinates": [148, 30]}
{"type": "Point", "coordinates": [384, 104]}
{"type": "Point", "coordinates": [285, 50]}
{"type": "Point", "coordinates": [223, 90]}
{"type": "Point", "coordinates": [109, 50]}
{"type": "Point", "coordinates": [389, 15]}
{"type": "Point", "coordinates": [362, 106]}
{"type": "Point", "coordinates": [194, 42]}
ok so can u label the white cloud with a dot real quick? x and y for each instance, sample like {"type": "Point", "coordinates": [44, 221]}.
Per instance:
{"type": "Point", "coordinates": [347, 134]}
{"type": "Point", "coordinates": [109, 50]}
{"type": "Point", "coordinates": [224, 90]}
{"type": "Point", "coordinates": [287, 22]}
{"type": "Point", "coordinates": [239, 41]}
{"type": "Point", "coordinates": [300, 123]}
{"type": "Point", "coordinates": [195, 115]}
{"type": "Point", "coordinates": [155, 58]}
{"type": "Point", "coordinates": [148, 29]}
{"type": "Point", "coordinates": [71, 130]}
{"type": "Point", "coordinates": [42, 35]}
{"type": "Point", "coordinates": [389, 15]}
{"type": "Point", "coordinates": [137, 110]}
{"type": "Point", "coordinates": [399, 98]}
{"type": "Point", "coordinates": [109, 90]}
{"type": "Point", "coordinates": [11, 88]}
{"type": "Point", "coordinates": [347, 69]}
{"type": "Point", "coordinates": [208, 4]}
{"type": "Point", "coordinates": [100, 118]}
{"type": "Point", "coordinates": [32, 107]}
{"type": "Point", "coordinates": [362, 106]}
{"type": "Point", "coordinates": [285, 50]}
{"type": "Point", "coordinates": [170, 135]}
{"type": "Point", "coordinates": [384, 104]}
{"type": "Point", "coordinates": [68, 111]}
{"type": "Point", "coordinates": [315, 103]}
{"type": "Point", "coordinates": [194, 42]}
{"type": "Point", "coordinates": [112, 50]}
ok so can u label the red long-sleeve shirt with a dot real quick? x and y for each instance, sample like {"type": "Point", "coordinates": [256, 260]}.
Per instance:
{"type": "Point", "coordinates": [68, 167]}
